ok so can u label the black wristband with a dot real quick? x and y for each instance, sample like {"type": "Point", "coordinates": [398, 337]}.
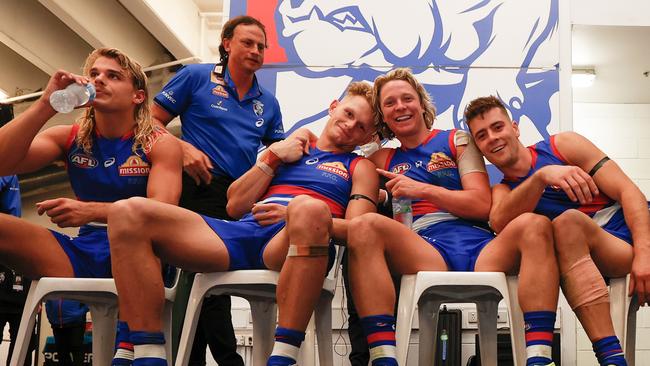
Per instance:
{"type": "Point", "coordinates": [358, 196]}
{"type": "Point", "coordinates": [598, 165]}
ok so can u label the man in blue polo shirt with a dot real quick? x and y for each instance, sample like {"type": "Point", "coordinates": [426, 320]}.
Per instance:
{"type": "Point", "coordinates": [225, 115]}
{"type": "Point", "coordinates": [13, 286]}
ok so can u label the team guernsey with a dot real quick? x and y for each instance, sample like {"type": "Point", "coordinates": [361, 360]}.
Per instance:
{"type": "Point", "coordinates": [111, 171]}
{"type": "Point", "coordinates": [605, 211]}
{"type": "Point", "coordinates": [459, 241]}
{"type": "Point", "coordinates": [215, 121]}
{"type": "Point", "coordinates": [321, 175]}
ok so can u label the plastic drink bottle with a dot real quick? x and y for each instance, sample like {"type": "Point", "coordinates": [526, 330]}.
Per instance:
{"type": "Point", "coordinates": [403, 210]}
{"type": "Point", "coordinates": [74, 95]}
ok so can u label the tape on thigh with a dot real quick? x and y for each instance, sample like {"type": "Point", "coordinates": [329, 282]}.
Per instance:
{"type": "Point", "coordinates": [584, 285]}
{"type": "Point", "coordinates": [308, 251]}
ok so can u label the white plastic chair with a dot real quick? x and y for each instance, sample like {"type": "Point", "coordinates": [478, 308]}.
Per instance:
{"type": "Point", "coordinates": [568, 332]}
{"type": "Point", "coordinates": [428, 290]}
{"type": "Point", "coordinates": [100, 295]}
{"type": "Point", "coordinates": [623, 310]}
{"type": "Point", "coordinates": [258, 287]}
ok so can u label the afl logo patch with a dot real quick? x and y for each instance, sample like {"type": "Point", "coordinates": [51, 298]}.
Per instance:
{"type": "Point", "coordinates": [134, 166]}
{"type": "Point", "coordinates": [83, 161]}
{"type": "Point", "coordinates": [401, 168]}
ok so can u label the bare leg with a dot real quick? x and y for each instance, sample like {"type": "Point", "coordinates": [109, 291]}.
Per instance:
{"type": "Point", "coordinates": [576, 236]}
{"type": "Point", "coordinates": [525, 246]}
{"type": "Point", "coordinates": [31, 249]}
{"type": "Point", "coordinates": [309, 223]}
{"type": "Point", "coordinates": [378, 245]}
{"type": "Point", "coordinates": [141, 231]}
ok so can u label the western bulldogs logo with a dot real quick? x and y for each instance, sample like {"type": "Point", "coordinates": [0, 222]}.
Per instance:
{"type": "Point", "coordinates": [83, 161]}
{"type": "Point", "coordinates": [453, 49]}
{"type": "Point", "coordinates": [335, 167]}
{"type": "Point", "coordinates": [401, 168]}
{"type": "Point", "coordinates": [134, 166]}
{"type": "Point", "coordinates": [258, 107]}
{"type": "Point", "coordinates": [440, 160]}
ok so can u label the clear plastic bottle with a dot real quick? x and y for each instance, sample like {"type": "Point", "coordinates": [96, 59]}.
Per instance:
{"type": "Point", "coordinates": [403, 210]}
{"type": "Point", "coordinates": [74, 95]}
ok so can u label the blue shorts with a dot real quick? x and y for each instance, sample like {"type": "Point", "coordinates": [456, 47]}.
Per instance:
{"type": "Point", "coordinates": [458, 241]}
{"type": "Point", "coordinates": [89, 252]}
{"type": "Point", "coordinates": [246, 240]}
{"type": "Point", "coordinates": [617, 227]}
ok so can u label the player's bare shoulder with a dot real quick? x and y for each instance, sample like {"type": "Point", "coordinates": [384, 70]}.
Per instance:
{"type": "Point", "coordinates": [380, 156]}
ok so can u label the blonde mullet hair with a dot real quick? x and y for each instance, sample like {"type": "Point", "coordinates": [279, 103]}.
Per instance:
{"type": "Point", "coordinates": [405, 74]}
{"type": "Point", "coordinates": [145, 132]}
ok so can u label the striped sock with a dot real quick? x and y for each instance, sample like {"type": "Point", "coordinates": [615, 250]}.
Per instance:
{"type": "Point", "coordinates": [539, 337]}
{"type": "Point", "coordinates": [148, 348]}
{"type": "Point", "coordinates": [380, 333]}
{"type": "Point", "coordinates": [286, 347]}
{"type": "Point", "coordinates": [609, 351]}
{"type": "Point", "coordinates": [123, 346]}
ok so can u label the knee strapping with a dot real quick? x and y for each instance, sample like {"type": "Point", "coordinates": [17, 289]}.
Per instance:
{"type": "Point", "coordinates": [584, 285]}
{"type": "Point", "coordinates": [308, 251]}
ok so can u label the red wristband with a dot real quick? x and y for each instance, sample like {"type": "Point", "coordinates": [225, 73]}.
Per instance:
{"type": "Point", "coordinates": [271, 159]}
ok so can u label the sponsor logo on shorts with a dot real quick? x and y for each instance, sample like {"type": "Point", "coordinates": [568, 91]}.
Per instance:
{"type": "Point", "coordinates": [440, 160]}
{"type": "Point", "coordinates": [335, 167]}
{"type": "Point", "coordinates": [109, 162]}
{"type": "Point", "coordinates": [259, 122]}
{"type": "Point", "coordinates": [220, 91]}
{"type": "Point", "coordinates": [401, 168]}
{"type": "Point", "coordinates": [83, 161]}
{"type": "Point", "coordinates": [134, 166]}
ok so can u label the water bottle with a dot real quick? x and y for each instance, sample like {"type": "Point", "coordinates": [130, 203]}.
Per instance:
{"type": "Point", "coordinates": [74, 95]}
{"type": "Point", "coordinates": [403, 211]}
{"type": "Point", "coordinates": [443, 343]}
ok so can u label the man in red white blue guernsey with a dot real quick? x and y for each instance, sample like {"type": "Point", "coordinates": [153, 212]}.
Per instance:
{"type": "Point", "coordinates": [114, 152]}
{"type": "Point", "coordinates": [601, 224]}
{"type": "Point", "coordinates": [296, 198]}
{"type": "Point", "coordinates": [444, 175]}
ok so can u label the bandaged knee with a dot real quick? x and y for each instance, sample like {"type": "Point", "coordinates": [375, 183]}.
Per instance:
{"type": "Point", "coordinates": [308, 251]}
{"type": "Point", "coordinates": [584, 285]}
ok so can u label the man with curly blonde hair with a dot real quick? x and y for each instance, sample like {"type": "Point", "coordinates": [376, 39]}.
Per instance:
{"type": "Point", "coordinates": [112, 153]}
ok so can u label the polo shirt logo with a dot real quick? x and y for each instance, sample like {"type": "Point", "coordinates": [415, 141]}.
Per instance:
{"type": "Point", "coordinates": [218, 105]}
{"type": "Point", "coordinates": [220, 91]}
{"type": "Point", "coordinates": [258, 107]}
